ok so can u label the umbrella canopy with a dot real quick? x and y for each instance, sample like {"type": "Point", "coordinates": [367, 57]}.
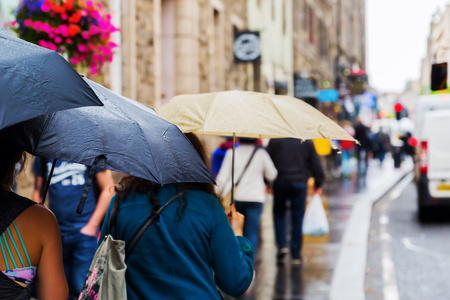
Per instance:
{"type": "Point", "coordinates": [250, 114]}
{"type": "Point", "coordinates": [35, 81]}
{"type": "Point", "coordinates": [124, 135]}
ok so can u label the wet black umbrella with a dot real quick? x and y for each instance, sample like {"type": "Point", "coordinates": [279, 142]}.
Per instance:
{"type": "Point", "coordinates": [35, 81]}
{"type": "Point", "coordinates": [123, 135]}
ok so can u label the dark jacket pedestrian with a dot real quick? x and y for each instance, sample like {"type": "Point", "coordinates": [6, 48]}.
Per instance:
{"type": "Point", "coordinates": [362, 150]}
{"type": "Point", "coordinates": [296, 162]}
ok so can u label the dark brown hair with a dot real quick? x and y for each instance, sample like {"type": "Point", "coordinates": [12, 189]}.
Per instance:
{"type": "Point", "coordinates": [10, 154]}
{"type": "Point", "coordinates": [130, 185]}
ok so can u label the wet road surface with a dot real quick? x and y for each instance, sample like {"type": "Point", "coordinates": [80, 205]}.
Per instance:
{"type": "Point", "coordinates": [312, 279]}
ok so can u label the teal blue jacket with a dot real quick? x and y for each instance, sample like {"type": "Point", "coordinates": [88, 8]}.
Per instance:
{"type": "Point", "coordinates": [182, 258]}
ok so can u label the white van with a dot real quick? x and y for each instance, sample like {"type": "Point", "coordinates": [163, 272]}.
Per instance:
{"type": "Point", "coordinates": [427, 103]}
{"type": "Point", "coordinates": [433, 162]}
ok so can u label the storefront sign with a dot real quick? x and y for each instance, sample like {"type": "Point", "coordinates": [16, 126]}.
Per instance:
{"type": "Point", "coordinates": [305, 88]}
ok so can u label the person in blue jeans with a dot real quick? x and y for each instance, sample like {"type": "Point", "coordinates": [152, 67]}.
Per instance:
{"type": "Point", "coordinates": [250, 192]}
{"type": "Point", "coordinates": [78, 232]}
{"type": "Point", "coordinates": [296, 162]}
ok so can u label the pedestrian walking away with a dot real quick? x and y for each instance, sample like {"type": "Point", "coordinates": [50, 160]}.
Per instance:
{"type": "Point", "coordinates": [363, 149]}
{"type": "Point", "coordinates": [253, 166]}
{"type": "Point", "coordinates": [190, 251]}
{"type": "Point", "coordinates": [30, 239]}
{"type": "Point", "coordinates": [296, 162]}
{"type": "Point", "coordinates": [78, 232]}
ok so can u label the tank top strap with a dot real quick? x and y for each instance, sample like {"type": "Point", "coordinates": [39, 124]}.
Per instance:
{"type": "Point", "coordinates": [11, 206]}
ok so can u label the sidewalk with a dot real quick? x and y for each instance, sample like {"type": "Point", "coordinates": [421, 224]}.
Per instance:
{"type": "Point", "coordinates": [334, 265]}
{"type": "Point", "coordinates": [349, 273]}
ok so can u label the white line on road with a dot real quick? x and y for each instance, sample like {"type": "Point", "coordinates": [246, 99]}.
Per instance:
{"type": "Point", "coordinates": [410, 246]}
{"type": "Point", "coordinates": [400, 187]}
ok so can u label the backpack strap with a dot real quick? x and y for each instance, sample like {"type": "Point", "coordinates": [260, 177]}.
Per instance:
{"type": "Point", "coordinates": [147, 224]}
{"type": "Point", "coordinates": [113, 220]}
{"type": "Point", "coordinates": [248, 163]}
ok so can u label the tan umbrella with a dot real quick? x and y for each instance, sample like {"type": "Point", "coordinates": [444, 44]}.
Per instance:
{"type": "Point", "coordinates": [250, 114]}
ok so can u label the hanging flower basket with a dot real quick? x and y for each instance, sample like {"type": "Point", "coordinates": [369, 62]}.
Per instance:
{"type": "Point", "coordinates": [80, 30]}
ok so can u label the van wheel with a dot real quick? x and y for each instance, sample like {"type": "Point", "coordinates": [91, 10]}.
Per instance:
{"type": "Point", "coordinates": [424, 214]}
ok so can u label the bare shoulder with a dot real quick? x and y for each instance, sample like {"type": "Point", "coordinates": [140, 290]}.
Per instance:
{"type": "Point", "coordinates": [39, 215]}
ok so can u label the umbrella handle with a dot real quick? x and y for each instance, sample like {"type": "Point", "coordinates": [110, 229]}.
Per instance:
{"type": "Point", "coordinates": [47, 184]}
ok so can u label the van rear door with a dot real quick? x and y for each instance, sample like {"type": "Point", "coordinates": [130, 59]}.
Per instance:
{"type": "Point", "coordinates": [437, 128]}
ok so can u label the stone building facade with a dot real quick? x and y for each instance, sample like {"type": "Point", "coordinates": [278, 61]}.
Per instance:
{"type": "Point", "coordinates": [170, 47]}
{"type": "Point", "coordinates": [438, 50]}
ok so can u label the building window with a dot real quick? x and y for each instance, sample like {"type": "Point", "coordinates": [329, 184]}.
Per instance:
{"type": "Point", "coordinates": [310, 20]}
{"type": "Point", "coordinates": [323, 40]}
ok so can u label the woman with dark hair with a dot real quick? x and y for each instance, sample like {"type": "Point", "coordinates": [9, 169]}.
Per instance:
{"type": "Point", "coordinates": [30, 242]}
{"type": "Point", "coordinates": [190, 250]}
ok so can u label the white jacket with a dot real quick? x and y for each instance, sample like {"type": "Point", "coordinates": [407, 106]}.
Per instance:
{"type": "Point", "coordinates": [251, 187]}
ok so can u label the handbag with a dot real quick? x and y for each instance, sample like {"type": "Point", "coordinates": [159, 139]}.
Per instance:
{"type": "Point", "coordinates": [227, 199]}
{"type": "Point", "coordinates": [315, 222]}
{"type": "Point", "coordinates": [106, 276]}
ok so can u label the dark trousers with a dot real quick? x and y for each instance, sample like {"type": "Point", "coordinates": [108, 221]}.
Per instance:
{"type": "Point", "coordinates": [78, 252]}
{"type": "Point", "coordinates": [252, 213]}
{"type": "Point", "coordinates": [295, 193]}
{"type": "Point", "coordinates": [362, 153]}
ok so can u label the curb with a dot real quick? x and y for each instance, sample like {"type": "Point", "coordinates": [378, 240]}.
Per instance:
{"type": "Point", "coordinates": [348, 279]}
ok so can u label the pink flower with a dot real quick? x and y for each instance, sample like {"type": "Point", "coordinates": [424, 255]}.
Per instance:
{"type": "Point", "coordinates": [42, 43]}
{"type": "Point", "coordinates": [45, 7]}
{"type": "Point", "coordinates": [28, 22]}
{"type": "Point", "coordinates": [93, 30]}
{"type": "Point", "coordinates": [91, 47]}
{"type": "Point", "coordinates": [13, 23]}
{"type": "Point", "coordinates": [51, 46]}
{"type": "Point", "coordinates": [69, 41]}
{"type": "Point", "coordinates": [57, 30]}
{"type": "Point", "coordinates": [93, 69]}
{"type": "Point", "coordinates": [57, 39]}
{"type": "Point", "coordinates": [95, 14]}
{"type": "Point", "coordinates": [46, 28]}
{"type": "Point", "coordinates": [64, 16]}
{"type": "Point", "coordinates": [74, 60]}
{"type": "Point", "coordinates": [83, 48]}
{"type": "Point", "coordinates": [64, 30]}
{"type": "Point", "coordinates": [85, 35]}
{"type": "Point", "coordinates": [112, 45]}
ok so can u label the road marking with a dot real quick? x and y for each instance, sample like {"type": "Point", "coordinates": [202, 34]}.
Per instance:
{"type": "Point", "coordinates": [400, 187]}
{"type": "Point", "coordinates": [390, 290]}
{"type": "Point", "coordinates": [410, 246]}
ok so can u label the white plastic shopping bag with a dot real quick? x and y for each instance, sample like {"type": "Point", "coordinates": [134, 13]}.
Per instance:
{"type": "Point", "coordinates": [315, 222]}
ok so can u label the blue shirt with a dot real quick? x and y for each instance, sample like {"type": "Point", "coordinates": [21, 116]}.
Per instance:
{"type": "Point", "coordinates": [66, 187]}
{"type": "Point", "coordinates": [182, 258]}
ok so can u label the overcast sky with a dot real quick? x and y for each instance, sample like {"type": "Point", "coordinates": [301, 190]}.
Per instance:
{"type": "Point", "coordinates": [396, 36]}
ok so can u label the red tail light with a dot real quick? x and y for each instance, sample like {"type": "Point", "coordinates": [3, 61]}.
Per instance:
{"type": "Point", "coordinates": [423, 157]}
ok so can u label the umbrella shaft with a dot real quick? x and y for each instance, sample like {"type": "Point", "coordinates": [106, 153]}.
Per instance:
{"type": "Point", "coordinates": [232, 169]}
